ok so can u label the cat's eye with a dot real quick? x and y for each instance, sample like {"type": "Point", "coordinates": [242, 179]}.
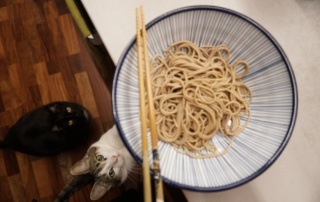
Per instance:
{"type": "Point", "coordinates": [111, 173]}
{"type": "Point", "coordinates": [100, 158]}
{"type": "Point", "coordinates": [69, 109]}
{"type": "Point", "coordinates": [70, 122]}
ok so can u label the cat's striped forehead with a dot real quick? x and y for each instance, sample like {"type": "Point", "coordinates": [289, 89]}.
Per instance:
{"type": "Point", "coordinates": [106, 151]}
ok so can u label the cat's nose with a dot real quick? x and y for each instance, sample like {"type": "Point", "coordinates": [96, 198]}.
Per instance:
{"type": "Point", "coordinates": [115, 158]}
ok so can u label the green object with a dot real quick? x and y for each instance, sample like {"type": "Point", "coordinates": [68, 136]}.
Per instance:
{"type": "Point", "coordinates": [78, 18]}
{"type": "Point", "coordinates": [98, 52]}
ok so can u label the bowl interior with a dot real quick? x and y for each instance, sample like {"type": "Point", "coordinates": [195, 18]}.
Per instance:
{"type": "Point", "coordinates": [273, 108]}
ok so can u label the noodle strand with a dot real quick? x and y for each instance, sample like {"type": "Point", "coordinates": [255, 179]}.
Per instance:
{"type": "Point", "coordinates": [198, 94]}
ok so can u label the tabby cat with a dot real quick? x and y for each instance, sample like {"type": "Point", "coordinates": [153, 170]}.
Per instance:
{"type": "Point", "coordinates": [107, 163]}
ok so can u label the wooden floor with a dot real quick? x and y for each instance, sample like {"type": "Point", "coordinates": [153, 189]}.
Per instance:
{"type": "Point", "coordinates": [43, 58]}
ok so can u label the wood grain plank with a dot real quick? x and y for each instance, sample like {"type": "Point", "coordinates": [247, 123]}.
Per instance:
{"type": "Point", "coordinates": [54, 28]}
{"type": "Point", "coordinates": [2, 54]}
{"type": "Point", "coordinates": [35, 96]}
{"type": "Point", "coordinates": [38, 52]}
{"type": "Point", "coordinates": [62, 7]}
{"type": "Point", "coordinates": [49, 52]}
{"type": "Point", "coordinates": [4, 72]}
{"type": "Point", "coordinates": [51, 87]}
{"type": "Point", "coordinates": [37, 11]}
{"type": "Point", "coordinates": [3, 132]}
{"type": "Point", "coordinates": [18, 84]}
{"type": "Point", "coordinates": [40, 70]}
{"type": "Point", "coordinates": [8, 41]}
{"type": "Point", "coordinates": [3, 13]}
{"type": "Point", "coordinates": [12, 166]}
{"type": "Point", "coordinates": [1, 105]}
{"type": "Point", "coordinates": [67, 72]}
{"type": "Point", "coordinates": [17, 1]}
{"type": "Point", "coordinates": [27, 177]}
{"type": "Point", "coordinates": [29, 18]}
{"type": "Point", "coordinates": [51, 16]}
{"type": "Point", "coordinates": [14, 75]}
{"type": "Point", "coordinates": [86, 94]}
{"type": "Point", "coordinates": [3, 3]}
{"type": "Point", "coordinates": [22, 23]}
{"type": "Point", "coordinates": [41, 172]}
{"type": "Point", "coordinates": [69, 31]}
{"type": "Point", "coordinates": [76, 63]}
{"type": "Point", "coordinates": [15, 20]}
{"type": "Point", "coordinates": [9, 96]}
{"type": "Point", "coordinates": [5, 190]}
{"type": "Point", "coordinates": [70, 66]}
{"type": "Point", "coordinates": [55, 182]}
{"type": "Point", "coordinates": [25, 56]}
{"type": "Point", "coordinates": [6, 119]}
{"type": "Point", "coordinates": [18, 112]}
{"type": "Point", "coordinates": [3, 169]}
{"type": "Point", "coordinates": [16, 188]}
{"type": "Point", "coordinates": [47, 199]}
{"type": "Point", "coordinates": [57, 88]}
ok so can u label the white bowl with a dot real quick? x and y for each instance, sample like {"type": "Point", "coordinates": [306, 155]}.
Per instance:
{"type": "Point", "coordinates": [271, 79]}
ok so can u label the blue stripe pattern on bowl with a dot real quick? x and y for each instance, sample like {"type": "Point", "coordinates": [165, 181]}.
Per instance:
{"type": "Point", "coordinates": [271, 79]}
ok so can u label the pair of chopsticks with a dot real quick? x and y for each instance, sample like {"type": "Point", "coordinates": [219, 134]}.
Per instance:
{"type": "Point", "coordinates": [144, 68]}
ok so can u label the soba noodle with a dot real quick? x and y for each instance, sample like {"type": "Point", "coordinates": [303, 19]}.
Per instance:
{"type": "Point", "coordinates": [198, 95]}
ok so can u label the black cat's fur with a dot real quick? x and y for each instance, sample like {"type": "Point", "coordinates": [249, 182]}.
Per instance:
{"type": "Point", "coordinates": [49, 130]}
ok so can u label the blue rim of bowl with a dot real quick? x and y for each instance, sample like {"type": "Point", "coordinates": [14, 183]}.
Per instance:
{"type": "Point", "coordinates": [292, 79]}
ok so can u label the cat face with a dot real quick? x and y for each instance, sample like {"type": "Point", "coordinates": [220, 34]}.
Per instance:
{"type": "Point", "coordinates": [67, 116]}
{"type": "Point", "coordinates": [107, 164]}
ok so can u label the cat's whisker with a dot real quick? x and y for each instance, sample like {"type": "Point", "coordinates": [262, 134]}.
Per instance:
{"type": "Point", "coordinates": [133, 179]}
{"type": "Point", "coordinates": [138, 167]}
{"type": "Point", "coordinates": [133, 171]}
{"type": "Point", "coordinates": [135, 168]}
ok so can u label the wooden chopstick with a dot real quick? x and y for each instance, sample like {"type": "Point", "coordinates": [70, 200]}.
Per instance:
{"type": "Point", "coordinates": [141, 33]}
{"type": "Point", "coordinates": [143, 118]}
{"type": "Point", "coordinates": [153, 128]}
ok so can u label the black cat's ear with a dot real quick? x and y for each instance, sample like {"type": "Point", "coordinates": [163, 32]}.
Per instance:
{"type": "Point", "coordinates": [99, 188]}
{"type": "Point", "coordinates": [54, 108]}
{"type": "Point", "coordinates": [83, 166]}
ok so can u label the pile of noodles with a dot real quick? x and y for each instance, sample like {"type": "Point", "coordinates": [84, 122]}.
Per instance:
{"type": "Point", "coordinates": [198, 95]}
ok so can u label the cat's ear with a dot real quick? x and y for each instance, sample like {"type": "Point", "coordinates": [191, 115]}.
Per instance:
{"type": "Point", "coordinates": [81, 167]}
{"type": "Point", "coordinates": [54, 108]}
{"type": "Point", "coordinates": [84, 166]}
{"type": "Point", "coordinates": [99, 189]}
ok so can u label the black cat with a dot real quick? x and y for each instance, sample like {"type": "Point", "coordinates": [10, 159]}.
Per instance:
{"type": "Point", "coordinates": [49, 130]}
